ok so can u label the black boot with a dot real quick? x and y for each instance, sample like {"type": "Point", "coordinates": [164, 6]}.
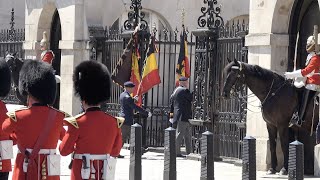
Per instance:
{"type": "Point", "coordinates": [303, 105]}
{"type": "Point", "coordinates": [296, 118]}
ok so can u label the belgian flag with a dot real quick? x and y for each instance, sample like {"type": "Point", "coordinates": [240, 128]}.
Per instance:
{"type": "Point", "coordinates": [183, 66]}
{"type": "Point", "coordinates": [150, 74]}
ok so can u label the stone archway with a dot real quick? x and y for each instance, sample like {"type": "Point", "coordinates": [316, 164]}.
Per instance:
{"type": "Point", "coordinates": [305, 14]}
{"type": "Point", "coordinates": [45, 23]}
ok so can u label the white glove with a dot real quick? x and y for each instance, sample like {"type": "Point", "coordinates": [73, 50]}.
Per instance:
{"type": "Point", "coordinates": [171, 120]}
{"type": "Point", "coordinates": [294, 74]}
{"type": "Point", "coordinates": [149, 114]}
{"type": "Point", "coordinates": [136, 97]}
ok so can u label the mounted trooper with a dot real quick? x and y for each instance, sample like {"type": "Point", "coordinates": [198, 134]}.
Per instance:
{"type": "Point", "coordinates": [311, 80]}
{"type": "Point", "coordinates": [46, 55]}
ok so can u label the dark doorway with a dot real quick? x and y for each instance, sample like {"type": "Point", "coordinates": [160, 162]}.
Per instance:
{"type": "Point", "coordinates": [305, 14]}
{"type": "Point", "coordinates": [55, 37]}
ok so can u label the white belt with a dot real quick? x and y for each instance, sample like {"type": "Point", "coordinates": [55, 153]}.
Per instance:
{"type": "Point", "coordinates": [92, 156]}
{"type": "Point", "coordinates": [43, 151]}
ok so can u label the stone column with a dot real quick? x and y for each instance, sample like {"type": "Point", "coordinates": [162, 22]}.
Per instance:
{"type": "Point", "coordinates": [72, 53]}
{"type": "Point", "coordinates": [74, 49]}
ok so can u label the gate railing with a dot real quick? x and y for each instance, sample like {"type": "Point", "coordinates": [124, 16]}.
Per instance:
{"type": "Point", "coordinates": [230, 125]}
{"type": "Point", "coordinates": [157, 99]}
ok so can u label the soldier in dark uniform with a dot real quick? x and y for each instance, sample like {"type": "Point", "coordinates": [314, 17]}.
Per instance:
{"type": "Point", "coordinates": [128, 105]}
{"type": "Point", "coordinates": [181, 99]}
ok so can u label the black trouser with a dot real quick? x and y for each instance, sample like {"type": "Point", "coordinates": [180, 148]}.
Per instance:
{"type": "Point", "coordinates": [4, 175]}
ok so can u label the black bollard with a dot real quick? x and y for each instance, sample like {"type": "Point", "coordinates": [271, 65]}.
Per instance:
{"type": "Point", "coordinates": [170, 172]}
{"type": "Point", "coordinates": [249, 158]}
{"type": "Point", "coordinates": [135, 170]}
{"type": "Point", "coordinates": [207, 158]}
{"type": "Point", "coordinates": [296, 161]}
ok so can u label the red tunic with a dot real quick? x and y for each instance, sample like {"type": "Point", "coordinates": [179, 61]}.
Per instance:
{"type": "Point", "coordinates": [6, 164]}
{"type": "Point", "coordinates": [27, 124]}
{"type": "Point", "coordinates": [47, 56]}
{"type": "Point", "coordinates": [312, 67]}
{"type": "Point", "coordinates": [92, 132]}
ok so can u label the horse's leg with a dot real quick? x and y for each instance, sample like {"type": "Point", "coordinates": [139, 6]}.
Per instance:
{"type": "Point", "coordinates": [284, 140]}
{"type": "Point", "coordinates": [272, 132]}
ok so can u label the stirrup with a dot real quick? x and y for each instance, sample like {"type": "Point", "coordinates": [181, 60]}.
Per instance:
{"type": "Point", "coordinates": [294, 120]}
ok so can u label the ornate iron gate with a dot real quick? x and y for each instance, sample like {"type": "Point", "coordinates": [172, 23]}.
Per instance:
{"type": "Point", "coordinates": [214, 45]}
{"type": "Point", "coordinates": [230, 127]}
{"type": "Point", "coordinates": [157, 99]}
{"type": "Point", "coordinates": [208, 56]}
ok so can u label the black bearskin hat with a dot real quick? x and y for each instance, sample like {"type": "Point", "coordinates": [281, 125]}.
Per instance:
{"type": "Point", "coordinates": [5, 78]}
{"type": "Point", "coordinates": [37, 79]}
{"type": "Point", "coordinates": [92, 82]}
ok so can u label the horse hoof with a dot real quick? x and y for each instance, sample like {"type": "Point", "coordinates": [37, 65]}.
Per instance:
{"type": "Point", "coordinates": [271, 171]}
{"type": "Point", "coordinates": [283, 172]}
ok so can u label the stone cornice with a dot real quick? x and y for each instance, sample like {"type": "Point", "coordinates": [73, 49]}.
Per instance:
{"type": "Point", "coordinates": [266, 39]}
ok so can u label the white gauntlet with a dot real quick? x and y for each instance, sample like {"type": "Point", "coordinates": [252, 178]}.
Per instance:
{"type": "Point", "coordinates": [294, 74]}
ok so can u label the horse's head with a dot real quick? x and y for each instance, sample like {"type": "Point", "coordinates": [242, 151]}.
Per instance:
{"type": "Point", "coordinates": [15, 65]}
{"type": "Point", "coordinates": [233, 78]}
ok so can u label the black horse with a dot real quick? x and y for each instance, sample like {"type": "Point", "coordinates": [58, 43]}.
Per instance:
{"type": "Point", "coordinates": [15, 65]}
{"type": "Point", "coordinates": [279, 99]}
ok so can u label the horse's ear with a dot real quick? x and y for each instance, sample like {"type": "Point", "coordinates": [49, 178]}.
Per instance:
{"type": "Point", "coordinates": [229, 61]}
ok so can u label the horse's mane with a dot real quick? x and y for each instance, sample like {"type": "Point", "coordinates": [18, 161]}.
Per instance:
{"type": "Point", "coordinates": [260, 72]}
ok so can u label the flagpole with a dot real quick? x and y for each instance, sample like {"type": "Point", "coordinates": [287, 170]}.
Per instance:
{"type": "Point", "coordinates": [129, 45]}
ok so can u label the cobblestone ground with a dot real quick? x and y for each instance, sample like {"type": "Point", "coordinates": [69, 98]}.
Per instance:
{"type": "Point", "coordinates": [152, 169]}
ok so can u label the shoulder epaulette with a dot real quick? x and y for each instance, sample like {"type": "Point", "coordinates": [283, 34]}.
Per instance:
{"type": "Point", "coordinates": [73, 120]}
{"type": "Point", "coordinates": [12, 114]}
{"type": "Point", "coordinates": [120, 121]}
{"type": "Point", "coordinates": [66, 115]}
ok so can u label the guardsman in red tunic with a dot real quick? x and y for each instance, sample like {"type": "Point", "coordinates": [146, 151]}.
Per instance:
{"type": "Point", "coordinates": [94, 136]}
{"type": "Point", "coordinates": [5, 140]}
{"type": "Point", "coordinates": [38, 127]}
{"type": "Point", "coordinates": [46, 55]}
{"type": "Point", "coordinates": [312, 84]}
